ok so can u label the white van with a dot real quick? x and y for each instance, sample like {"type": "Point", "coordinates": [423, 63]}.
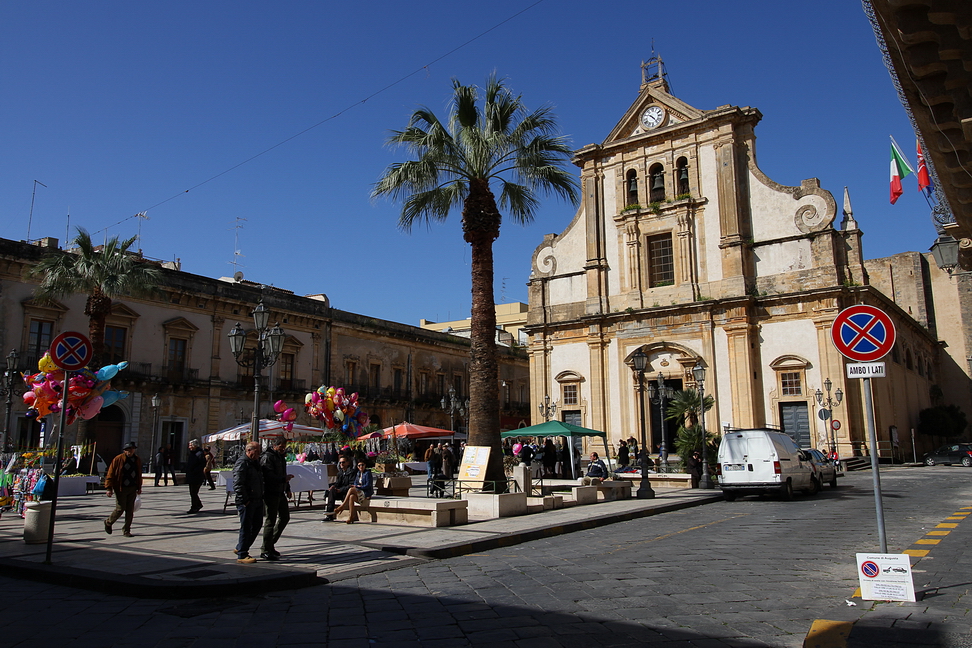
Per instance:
{"type": "Point", "coordinates": [763, 461]}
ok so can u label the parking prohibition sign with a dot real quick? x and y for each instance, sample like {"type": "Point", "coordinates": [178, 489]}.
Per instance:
{"type": "Point", "coordinates": [863, 333]}
{"type": "Point", "coordinates": [71, 351]}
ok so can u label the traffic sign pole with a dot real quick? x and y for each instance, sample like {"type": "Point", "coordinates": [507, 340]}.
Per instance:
{"type": "Point", "coordinates": [875, 474]}
{"type": "Point", "coordinates": [57, 465]}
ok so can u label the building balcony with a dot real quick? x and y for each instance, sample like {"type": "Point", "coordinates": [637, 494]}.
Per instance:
{"type": "Point", "coordinates": [176, 374]}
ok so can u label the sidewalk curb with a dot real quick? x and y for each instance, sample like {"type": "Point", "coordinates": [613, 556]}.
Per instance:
{"type": "Point", "coordinates": [140, 587]}
{"type": "Point", "coordinates": [453, 551]}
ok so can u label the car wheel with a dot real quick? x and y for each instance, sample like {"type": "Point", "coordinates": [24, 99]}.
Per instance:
{"type": "Point", "coordinates": [929, 461]}
{"type": "Point", "coordinates": [814, 486]}
{"type": "Point", "coordinates": [967, 461]}
{"type": "Point", "coordinates": [833, 480]}
{"type": "Point", "coordinates": [786, 492]}
{"type": "Point", "coordinates": [729, 495]}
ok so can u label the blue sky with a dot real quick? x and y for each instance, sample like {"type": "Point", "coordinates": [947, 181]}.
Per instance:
{"type": "Point", "coordinates": [120, 107]}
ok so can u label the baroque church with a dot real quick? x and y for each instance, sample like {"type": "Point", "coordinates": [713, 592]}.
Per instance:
{"type": "Point", "coordinates": [682, 248]}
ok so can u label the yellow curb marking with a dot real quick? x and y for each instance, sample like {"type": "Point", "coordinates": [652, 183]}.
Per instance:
{"type": "Point", "coordinates": [857, 593]}
{"type": "Point", "coordinates": [827, 634]}
{"type": "Point", "coordinates": [928, 541]}
{"type": "Point", "coordinates": [919, 553]}
{"type": "Point", "coordinates": [941, 533]}
{"type": "Point", "coordinates": [946, 525]}
{"type": "Point", "coordinates": [955, 518]}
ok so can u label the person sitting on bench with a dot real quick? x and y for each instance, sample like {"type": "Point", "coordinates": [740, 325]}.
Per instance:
{"type": "Point", "coordinates": [339, 489]}
{"type": "Point", "coordinates": [359, 493]}
{"type": "Point", "coordinates": [596, 471]}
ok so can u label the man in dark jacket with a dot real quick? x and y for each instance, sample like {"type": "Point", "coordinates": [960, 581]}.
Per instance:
{"type": "Point", "coordinates": [275, 478]}
{"type": "Point", "coordinates": [248, 486]}
{"type": "Point", "coordinates": [124, 479]}
{"type": "Point", "coordinates": [339, 489]}
{"type": "Point", "coordinates": [195, 475]}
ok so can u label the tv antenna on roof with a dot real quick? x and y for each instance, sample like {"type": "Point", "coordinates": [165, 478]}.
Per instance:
{"type": "Point", "coordinates": [237, 255]}
{"type": "Point", "coordinates": [30, 217]}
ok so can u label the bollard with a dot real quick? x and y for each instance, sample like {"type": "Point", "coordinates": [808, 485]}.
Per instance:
{"type": "Point", "coordinates": [37, 522]}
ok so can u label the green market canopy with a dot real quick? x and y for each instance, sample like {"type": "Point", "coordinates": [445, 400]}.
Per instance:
{"type": "Point", "coordinates": [558, 428]}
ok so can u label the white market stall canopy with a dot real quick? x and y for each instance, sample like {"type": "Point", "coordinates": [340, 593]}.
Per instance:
{"type": "Point", "coordinates": [268, 428]}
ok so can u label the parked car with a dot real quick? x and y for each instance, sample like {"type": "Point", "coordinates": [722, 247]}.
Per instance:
{"type": "Point", "coordinates": [758, 461]}
{"type": "Point", "coordinates": [955, 453]}
{"type": "Point", "coordinates": [823, 467]}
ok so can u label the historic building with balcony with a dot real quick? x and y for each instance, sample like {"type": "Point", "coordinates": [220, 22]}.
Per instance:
{"type": "Point", "coordinates": [176, 345]}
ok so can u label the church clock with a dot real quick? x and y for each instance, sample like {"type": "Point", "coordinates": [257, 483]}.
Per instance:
{"type": "Point", "coordinates": [652, 117]}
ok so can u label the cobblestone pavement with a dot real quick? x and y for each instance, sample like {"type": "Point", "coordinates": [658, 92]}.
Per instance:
{"type": "Point", "coordinates": [756, 572]}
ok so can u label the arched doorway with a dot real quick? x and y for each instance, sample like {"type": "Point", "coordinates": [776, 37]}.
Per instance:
{"type": "Point", "coordinates": [107, 430]}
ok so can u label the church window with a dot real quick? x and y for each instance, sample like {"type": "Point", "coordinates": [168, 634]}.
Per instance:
{"type": "Point", "coordinates": [656, 183]}
{"type": "Point", "coordinates": [570, 394]}
{"type": "Point", "coordinates": [681, 177]}
{"type": "Point", "coordinates": [791, 383]}
{"type": "Point", "coordinates": [631, 187]}
{"type": "Point", "coordinates": [661, 263]}
{"type": "Point", "coordinates": [909, 361]}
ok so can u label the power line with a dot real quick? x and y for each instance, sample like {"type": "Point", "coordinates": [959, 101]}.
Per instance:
{"type": "Point", "coordinates": [332, 117]}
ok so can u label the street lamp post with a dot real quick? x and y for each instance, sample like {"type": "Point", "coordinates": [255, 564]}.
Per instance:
{"type": "Point", "coordinates": [639, 362]}
{"type": "Point", "coordinates": [269, 343]}
{"type": "Point", "coordinates": [547, 409]}
{"type": "Point", "coordinates": [658, 395]}
{"type": "Point", "coordinates": [7, 389]}
{"type": "Point", "coordinates": [827, 405]}
{"type": "Point", "coordinates": [698, 371]}
{"type": "Point", "coordinates": [156, 403]}
{"type": "Point", "coordinates": [455, 407]}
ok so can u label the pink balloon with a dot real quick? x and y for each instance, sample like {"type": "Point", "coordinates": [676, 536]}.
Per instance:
{"type": "Point", "coordinates": [91, 408]}
{"type": "Point", "coordinates": [279, 406]}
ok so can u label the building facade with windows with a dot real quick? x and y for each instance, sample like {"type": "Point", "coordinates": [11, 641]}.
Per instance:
{"type": "Point", "coordinates": [177, 347]}
{"type": "Point", "coordinates": [684, 249]}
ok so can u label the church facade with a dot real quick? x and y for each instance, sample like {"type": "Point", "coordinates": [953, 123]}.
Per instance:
{"type": "Point", "coordinates": [684, 249]}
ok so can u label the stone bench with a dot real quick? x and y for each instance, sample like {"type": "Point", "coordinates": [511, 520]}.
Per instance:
{"type": "Point", "coordinates": [412, 511]}
{"type": "Point", "coordinates": [661, 480]}
{"type": "Point", "coordinates": [610, 490]}
{"type": "Point", "coordinates": [487, 506]}
{"type": "Point", "coordinates": [582, 495]}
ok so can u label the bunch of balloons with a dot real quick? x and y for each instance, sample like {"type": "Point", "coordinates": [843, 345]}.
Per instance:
{"type": "Point", "coordinates": [87, 391]}
{"type": "Point", "coordinates": [336, 409]}
{"type": "Point", "coordinates": [287, 414]}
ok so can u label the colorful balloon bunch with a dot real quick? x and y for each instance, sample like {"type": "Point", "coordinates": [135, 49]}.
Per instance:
{"type": "Point", "coordinates": [88, 391]}
{"type": "Point", "coordinates": [287, 414]}
{"type": "Point", "coordinates": [336, 409]}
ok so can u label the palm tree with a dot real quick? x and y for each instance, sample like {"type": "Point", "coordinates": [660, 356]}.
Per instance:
{"type": "Point", "coordinates": [500, 145]}
{"type": "Point", "coordinates": [685, 408]}
{"type": "Point", "coordinates": [102, 273]}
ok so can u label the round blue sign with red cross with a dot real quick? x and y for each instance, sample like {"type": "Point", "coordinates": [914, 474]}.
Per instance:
{"type": "Point", "coordinates": [870, 568]}
{"type": "Point", "coordinates": [71, 351]}
{"type": "Point", "coordinates": [863, 333]}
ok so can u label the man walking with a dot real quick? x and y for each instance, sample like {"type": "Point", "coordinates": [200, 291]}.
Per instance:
{"type": "Point", "coordinates": [339, 489]}
{"type": "Point", "coordinates": [248, 486]}
{"type": "Point", "coordinates": [124, 479]}
{"type": "Point", "coordinates": [195, 475]}
{"type": "Point", "coordinates": [275, 478]}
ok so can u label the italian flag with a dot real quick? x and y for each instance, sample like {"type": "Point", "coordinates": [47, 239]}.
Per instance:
{"type": "Point", "coordinates": [899, 169]}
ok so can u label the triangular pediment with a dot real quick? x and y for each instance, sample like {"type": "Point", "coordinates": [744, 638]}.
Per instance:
{"type": "Point", "coordinates": [50, 306]}
{"type": "Point", "coordinates": [123, 311]}
{"type": "Point", "coordinates": [180, 324]}
{"type": "Point", "coordinates": [669, 109]}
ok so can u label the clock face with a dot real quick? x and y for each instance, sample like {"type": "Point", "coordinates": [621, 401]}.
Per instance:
{"type": "Point", "coordinates": [652, 117]}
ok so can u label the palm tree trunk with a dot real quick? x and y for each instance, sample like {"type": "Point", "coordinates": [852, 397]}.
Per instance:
{"type": "Point", "coordinates": [481, 227]}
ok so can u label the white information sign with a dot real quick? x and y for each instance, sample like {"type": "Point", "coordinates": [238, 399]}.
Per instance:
{"type": "Point", "coordinates": [473, 466]}
{"type": "Point", "coordinates": [885, 577]}
{"type": "Point", "coordinates": [866, 370]}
